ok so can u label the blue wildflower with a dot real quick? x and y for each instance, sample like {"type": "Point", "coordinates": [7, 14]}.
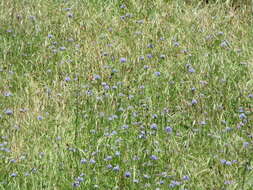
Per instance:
{"type": "Point", "coordinates": [13, 174]}
{"type": "Point", "coordinates": [176, 44]}
{"type": "Point", "coordinates": [107, 87]}
{"type": "Point", "coordinates": [146, 67]}
{"type": "Point", "coordinates": [149, 56]}
{"type": "Point", "coordinates": [245, 144]}
{"type": "Point", "coordinates": [108, 158]}
{"type": "Point", "coordinates": [153, 126]}
{"type": "Point", "coordinates": [83, 161]}
{"type": "Point", "coordinates": [8, 94]}
{"type": "Point", "coordinates": [153, 157]}
{"type": "Point", "coordinates": [150, 46]}
{"type": "Point", "coordinates": [157, 73]}
{"type": "Point", "coordinates": [141, 58]}
{"type": "Point", "coordinates": [109, 166]}
{"type": "Point", "coordinates": [191, 70]}
{"type": "Point", "coordinates": [229, 163]}
{"type": "Point", "coordinates": [194, 102]}
{"type": "Point", "coordinates": [186, 178]}
{"type": "Point", "coordinates": [193, 89]}
{"type": "Point", "coordinates": [224, 44]}
{"type": "Point", "coordinates": [168, 129]}
{"type": "Point", "coordinates": [123, 60]}
{"type": "Point", "coordinates": [242, 116]}
{"type": "Point", "coordinates": [174, 183]}
{"type": "Point", "coordinates": [127, 174]}
{"type": "Point", "coordinates": [39, 117]}
{"type": "Point", "coordinates": [8, 112]}
{"type": "Point", "coordinates": [140, 21]}
{"type": "Point", "coordinates": [67, 79]}
{"type": "Point", "coordinates": [79, 179]}
{"type": "Point", "coordinates": [116, 168]}
{"type": "Point", "coordinates": [67, 9]}
{"type": "Point", "coordinates": [76, 184]}
{"type": "Point", "coordinates": [96, 77]}
{"type": "Point", "coordinates": [62, 48]}
{"type": "Point", "coordinates": [123, 6]}
{"type": "Point", "coordinates": [117, 153]}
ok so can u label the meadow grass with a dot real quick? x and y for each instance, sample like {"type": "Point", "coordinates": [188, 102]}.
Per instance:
{"type": "Point", "coordinates": [125, 95]}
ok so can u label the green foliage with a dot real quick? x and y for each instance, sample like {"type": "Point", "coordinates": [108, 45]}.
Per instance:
{"type": "Point", "coordinates": [162, 89]}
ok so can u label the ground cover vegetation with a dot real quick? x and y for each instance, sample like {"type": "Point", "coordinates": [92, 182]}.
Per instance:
{"type": "Point", "coordinates": [126, 95]}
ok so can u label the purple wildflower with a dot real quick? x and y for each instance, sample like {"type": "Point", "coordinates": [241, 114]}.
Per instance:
{"type": "Point", "coordinates": [186, 178]}
{"type": "Point", "coordinates": [191, 70]}
{"type": "Point", "coordinates": [150, 46]}
{"type": "Point", "coordinates": [141, 58]}
{"type": "Point", "coordinates": [245, 144]}
{"type": "Point", "coordinates": [228, 163]}
{"type": "Point", "coordinates": [13, 175]}
{"type": "Point", "coordinates": [174, 183]}
{"type": "Point", "coordinates": [157, 73]}
{"type": "Point", "coordinates": [83, 161]}
{"type": "Point", "coordinates": [176, 44]}
{"type": "Point", "coordinates": [108, 158]}
{"type": "Point", "coordinates": [117, 153]}
{"type": "Point", "coordinates": [168, 129]}
{"type": "Point", "coordinates": [8, 94]}
{"type": "Point", "coordinates": [79, 179]}
{"type": "Point", "coordinates": [116, 168]}
{"type": "Point", "coordinates": [242, 116]}
{"type": "Point", "coordinates": [96, 77]}
{"type": "Point", "coordinates": [149, 56]}
{"type": "Point", "coordinates": [122, 17]}
{"type": "Point", "coordinates": [140, 21]}
{"type": "Point", "coordinates": [8, 112]}
{"type": "Point", "coordinates": [224, 44]}
{"type": "Point", "coordinates": [76, 184]}
{"type": "Point", "coordinates": [62, 48]}
{"type": "Point", "coordinates": [153, 126]}
{"type": "Point", "coordinates": [127, 174]}
{"type": "Point", "coordinates": [123, 6]}
{"type": "Point", "coordinates": [67, 9]}
{"type": "Point", "coordinates": [146, 67]}
{"type": "Point", "coordinates": [194, 102]}
{"type": "Point", "coordinates": [193, 89]}
{"type": "Point", "coordinates": [123, 60]}
{"type": "Point", "coordinates": [39, 117]}
{"type": "Point", "coordinates": [153, 157]}
{"type": "Point", "coordinates": [109, 166]}
{"type": "Point", "coordinates": [67, 79]}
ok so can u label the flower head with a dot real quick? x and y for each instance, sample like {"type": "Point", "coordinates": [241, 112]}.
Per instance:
{"type": "Point", "coordinates": [168, 129]}
{"type": "Point", "coordinates": [127, 174]}
{"type": "Point", "coordinates": [153, 157]}
{"type": "Point", "coordinates": [123, 60]}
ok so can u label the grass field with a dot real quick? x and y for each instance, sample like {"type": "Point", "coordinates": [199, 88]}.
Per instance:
{"type": "Point", "coordinates": [125, 95]}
